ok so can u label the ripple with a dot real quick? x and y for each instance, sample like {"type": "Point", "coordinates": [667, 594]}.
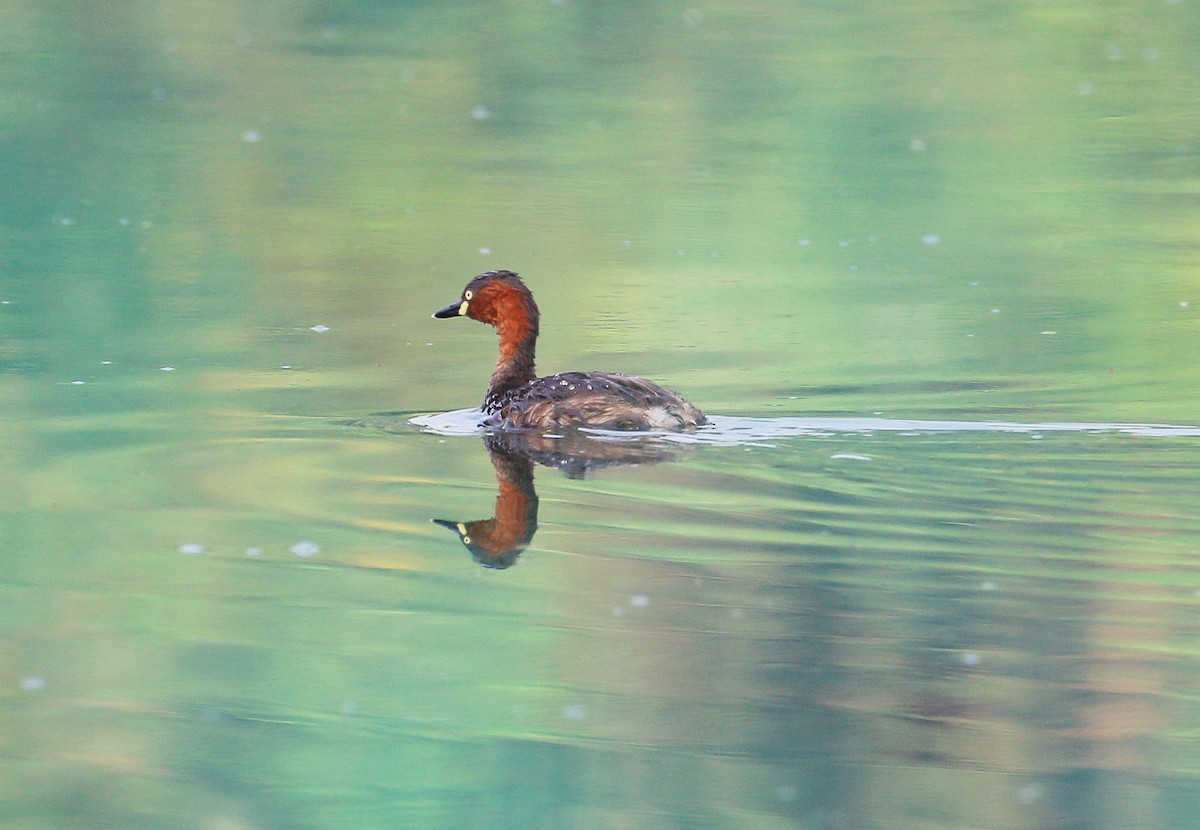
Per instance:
{"type": "Point", "coordinates": [736, 431]}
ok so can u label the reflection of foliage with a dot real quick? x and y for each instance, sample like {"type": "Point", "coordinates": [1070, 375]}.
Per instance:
{"type": "Point", "coordinates": [653, 169]}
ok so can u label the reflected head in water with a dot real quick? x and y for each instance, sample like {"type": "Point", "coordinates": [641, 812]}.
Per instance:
{"type": "Point", "coordinates": [498, 541]}
{"type": "Point", "coordinates": [517, 399]}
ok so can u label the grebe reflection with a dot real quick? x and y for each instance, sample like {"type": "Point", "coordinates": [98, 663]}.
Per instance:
{"type": "Point", "coordinates": [496, 542]}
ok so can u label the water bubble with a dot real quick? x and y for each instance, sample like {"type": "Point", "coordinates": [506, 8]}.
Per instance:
{"type": "Point", "coordinates": [485, 251]}
{"type": "Point", "coordinates": [1030, 793]}
{"type": "Point", "coordinates": [971, 658]}
{"type": "Point", "coordinates": [33, 683]}
{"type": "Point", "coordinates": [166, 369]}
{"type": "Point", "coordinates": [319, 329]}
{"type": "Point", "coordinates": [252, 136]}
{"type": "Point", "coordinates": [639, 601]}
{"type": "Point", "coordinates": [77, 383]}
{"type": "Point", "coordinates": [191, 548]}
{"type": "Point", "coordinates": [931, 239]}
{"type": "Point", "coordinates": [305, 548]}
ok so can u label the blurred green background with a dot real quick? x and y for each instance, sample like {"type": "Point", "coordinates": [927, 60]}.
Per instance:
{"type": "Point", "coordinates": [953, 210]}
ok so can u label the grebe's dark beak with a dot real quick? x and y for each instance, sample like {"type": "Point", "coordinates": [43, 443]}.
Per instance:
{"type": "Point", "coordinates": [455, 309]}
{"type": "Point", "coordinates": [457, 527]}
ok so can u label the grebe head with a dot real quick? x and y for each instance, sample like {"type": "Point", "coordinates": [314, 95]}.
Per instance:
{"type": "Point", "coordinates": [495, 298]}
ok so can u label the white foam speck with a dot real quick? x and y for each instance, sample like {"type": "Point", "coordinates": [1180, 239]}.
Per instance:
{"type": "Point", "coordinates": [33, 683]}
{"type": "Point", "coordinates": [971, 658]}
{"type": "Point", "coordinates": [191, 548]}
{"type": "Point", "coordinates": [253, 552]}
{"type": "Point", "coordinates": [1029, 793]}
{"type": "Point", "coordinates": [252, 136]}
{"type": "Point", "coordinates": [305, 548]}
{"type": "Point", "coordinates": [574, 711]}
{"type": "Point", "coordinates": [931, 239]}
{"type": "Point", "coordinates": [849, 456]}
{"type": "Point", "coordinates": [166, 369]}
{"type": "Point", "coordinates": [481, 113]}
{"type": "Point", "coordinates": [77, 383]}
{"type": "Point", "coordinates": [319, 329]}
{"type": "Point", "coordinates": [639, 601]}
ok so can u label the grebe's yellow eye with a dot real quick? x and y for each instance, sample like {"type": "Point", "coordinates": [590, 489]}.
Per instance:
{"type": "Point", "coordinates": [468, 294]}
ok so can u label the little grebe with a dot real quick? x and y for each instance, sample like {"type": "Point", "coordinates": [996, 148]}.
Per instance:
{"type": "Point", "coordinates": [518, 399]}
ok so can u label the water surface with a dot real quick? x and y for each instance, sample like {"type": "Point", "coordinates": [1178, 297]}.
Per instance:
{"type": "Point", "coordinates": [931, 272]}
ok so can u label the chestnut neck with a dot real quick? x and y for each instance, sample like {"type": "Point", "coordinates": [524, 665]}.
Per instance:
{"type": "Point", "coordinates": [516, 323]}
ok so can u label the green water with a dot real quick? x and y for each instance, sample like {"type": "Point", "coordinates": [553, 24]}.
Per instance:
{"type": "Point", "coordinates": [223, 603]}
